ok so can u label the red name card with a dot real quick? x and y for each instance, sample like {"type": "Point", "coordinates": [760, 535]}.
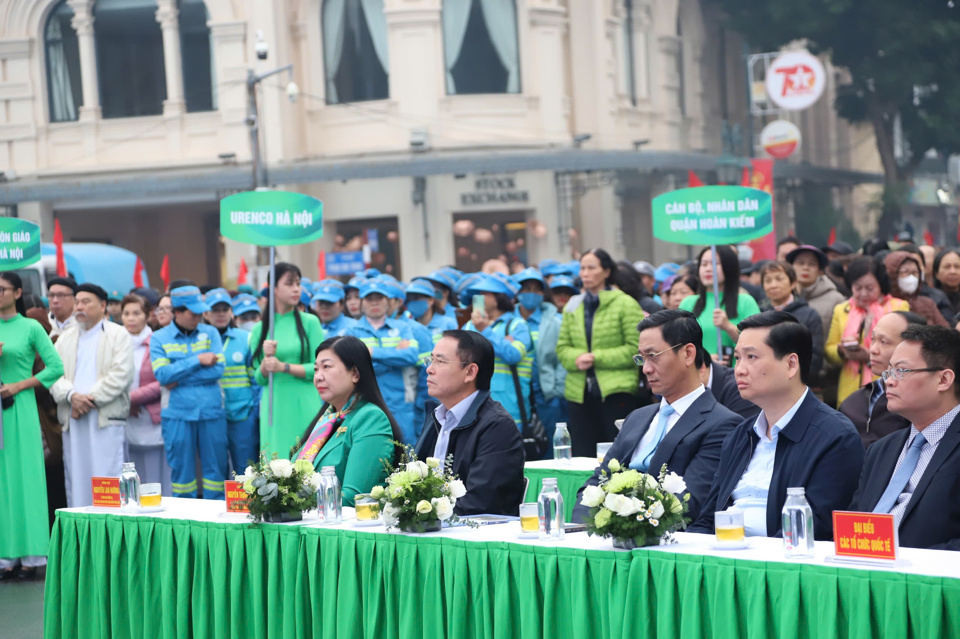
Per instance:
{"type": "Point", "coordinates": [866, 535]}
{"type": "Point", "coordinates": [106, 492]}
{"type": "Point", "coordinates": [236, 497]}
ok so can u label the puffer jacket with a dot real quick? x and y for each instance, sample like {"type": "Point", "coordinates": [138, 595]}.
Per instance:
{"type": "Point", "coordinates": [613, 343]}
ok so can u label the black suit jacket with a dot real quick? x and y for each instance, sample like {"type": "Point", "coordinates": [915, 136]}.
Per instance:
{"type": "Point", "coordinates": [724, 388]}
{"type": "Point", "coordinates": [819, 450]}
{"type": "Point", "coordinates": [691, 448]}
{"type": "Point", "coordinates": [871, 426]}
{"type": "Point", "coordinates": [932, 517]}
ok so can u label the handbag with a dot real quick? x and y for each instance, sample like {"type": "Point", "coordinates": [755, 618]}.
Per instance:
{"type": "Point", "coordinates": [534, 435]}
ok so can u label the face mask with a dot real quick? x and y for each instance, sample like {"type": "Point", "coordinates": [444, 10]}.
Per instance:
{"type": "Point", "coordinates": [530, 301]}
{"type": "Point", "coordinates": [247, 326]}
{"type": "Point", "coordinates": [909, 284]}
{"type": "Point", "coordinates": [418, 308]}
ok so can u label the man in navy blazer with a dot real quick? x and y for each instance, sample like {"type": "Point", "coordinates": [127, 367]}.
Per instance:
{"type": "Point", "coordinates": [796, 441]}
{"type": "Point", "coordinates": [686, 429]}
{"type": "Point", "coordinates": [914, 473]}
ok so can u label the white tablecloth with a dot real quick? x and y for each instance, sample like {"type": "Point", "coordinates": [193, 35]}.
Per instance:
{"type": "Point", "coordinates": [575, 463]}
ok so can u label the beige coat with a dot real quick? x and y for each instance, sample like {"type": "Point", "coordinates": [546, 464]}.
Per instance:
{"type": "Point", "coordinates": [111, 392]}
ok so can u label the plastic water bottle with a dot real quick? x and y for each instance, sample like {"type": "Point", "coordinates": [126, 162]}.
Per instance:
{"type": "Point", "coordinates": [797, 525]}
{"type": "Point", "coordinates": [550, 510]}
{"type": "Point", "coordinates": [562, 451]}
{"type": "Point", "coordinates": [329, 504]}
{"type": "Point", "coordinates": [129, 488]}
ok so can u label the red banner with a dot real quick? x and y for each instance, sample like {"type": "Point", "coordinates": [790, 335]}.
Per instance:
{"type": "Point", "coordinates": [764, 248]}
{"type": "Point", "coordinates": [138, 273]}
{"type": "Point", "coordinates": [58, 242]}
{"type": "Point", "coordinates": [867, 535]}
{"type": "Point", "coordinates": [106, 492]}
{"type": "Point", "coordinates": [165, 272]}
{"type": "Point", "coordinates": [242, 275]}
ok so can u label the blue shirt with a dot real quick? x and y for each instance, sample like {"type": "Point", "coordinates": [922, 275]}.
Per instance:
{"type": "Point", "coordinates": [750, 494]}
{"type": "Point", "coordinates": [338, 327]}
{"type": "Point", "coordinates": [174, 357]}
{"type": "Point", "coordinates": [450, 419]}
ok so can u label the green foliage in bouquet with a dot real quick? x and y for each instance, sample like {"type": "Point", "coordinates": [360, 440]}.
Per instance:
{"type": "Point", "coordinates": [417, 494]}
{"type": "Point", "coordinates": [279, 486]}
{"type": "Point", "coordinates": [630, 505]}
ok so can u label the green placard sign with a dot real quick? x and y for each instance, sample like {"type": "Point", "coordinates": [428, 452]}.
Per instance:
{"type": "Point", "coordinates": [19, 243]}
{"type": "Point", "coordinates": [712, 215]}
{"type": "Point", "coordinates": [271, 218]}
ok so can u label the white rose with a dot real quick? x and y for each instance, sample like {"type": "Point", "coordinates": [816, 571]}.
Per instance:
{"type": "Point", "coordinates": [417, 467]}
{"type": "Point", "coordinates": [444, 508]}
{"type": "Point", "coordinates": [656, 511]}
{"type": "Point", "coordinates": [613, 465]}
{"type": "Point", "coordinates": [651, 482]}
{"type": "Point", "coordinates": [433, 462]}
{"type": "Point", "coordinates": [457, 489]}
{"type": "Point", "coordinates": [673, 483]}
{"type": "Point", "coordinates": [592, 496]}
{"type": "Point", "coordinates": [424, 507]}
{"type": "Point", "coordinates": [281, 467]}
{"type": "Point", "coordinates": [620, 504]}
{"type": "Point", "coordinates": [314, 481]}
{"type": "Point", "coordinates": [249, 472]}
{"type": "Point", "coordinates": [390, 514]}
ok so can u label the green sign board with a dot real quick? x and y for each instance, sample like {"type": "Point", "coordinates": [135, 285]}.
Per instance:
{"type": "Point", "coordinates": [712, 215]}
{"type": "Point", "coordinates": [271, 218]}
{"type": "Point", "coordinates": [19, 243]}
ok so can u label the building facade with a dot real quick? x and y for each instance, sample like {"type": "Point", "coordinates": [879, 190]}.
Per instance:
{"type": "Point", "coordinates": [112, 111]}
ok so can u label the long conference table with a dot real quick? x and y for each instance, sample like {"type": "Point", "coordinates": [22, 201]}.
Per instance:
{"type": "Point", "coordinates": [195, 571]}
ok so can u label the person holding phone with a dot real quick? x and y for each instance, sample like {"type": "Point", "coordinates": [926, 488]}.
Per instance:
{"type": "Point", "coordinates": [851, 328]}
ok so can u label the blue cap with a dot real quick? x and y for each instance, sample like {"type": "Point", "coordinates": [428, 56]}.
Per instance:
{"type": "Point", "coordinates": [421, 287]}
{"type": "Point", "coordinates": [666, 270]}
{"type": "Point", "coordinates": [573, 268]}
{"type": "Point", "coordinates": [217, 296]}
{"type": "Point", "coordinates": [394, 287]}
{"type": "Point", "coordinates": [443, 278]}
{"type": "Point", "coordinates": [355, 283]}
{"type": "Point", "coordinates": [512, 286]}
{"type": "Point", "coordinates": [369, 273]}
{"type": "Point", "coordinates": [452, 273]}
{"type": "Point", "coordinates": [488, 284]}
{"type": "Point", "coordinates": [326, 292]}
{"type": "Point", "coordinates": [563, 281]}
{"type": "Point", "coordinates": [327, 282]}
{"type": "Point", "coordinates": [246, 288]}
{"type": "Point", "coordinates": [307, 283]}
{"type": "Point", "coordinates": [555, 269]}
{"type": "Point", "coordinates": [375, 285]}
{"type": "Point", "coordinates": [188, 297]}
{"type": "Point", "coordinates": [548, 263]}
{"type": "Point", "coordinates": [114, 296]}
{"type": "Point", "coordinates": [244, 303]}
{"type": "Point", "coordinates": [527, 275]}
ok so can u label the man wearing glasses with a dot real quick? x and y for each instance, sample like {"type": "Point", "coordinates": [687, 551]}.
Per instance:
{"type": "Point", "coordinates": [686, 429]}
{"type": "Point", "coordinates": [914, 474]}
{"type": "Point", "coordinates": [471, 426]}
{"type": "Point", "coordinates": [61, 292]}
{"type": "Point", "coordinates": [796, 441]}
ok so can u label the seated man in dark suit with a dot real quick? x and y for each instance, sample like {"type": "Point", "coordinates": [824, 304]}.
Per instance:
{"type": "Point", "coordinates": [720, 381]}
{"type": "Point", "coordinates": [686, 429]}
{"type": "Point", "coordinates": [796, 441]}
{"type": "Point", "coordinates": [915, 473]}
{"type": "Point", "coordinates": [473, 427]}
{"type": "Point", "coordinates": [867, 407]}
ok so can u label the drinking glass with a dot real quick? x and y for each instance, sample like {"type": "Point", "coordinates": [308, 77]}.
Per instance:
{"type": "Point", "coordinates": [602, 448]}
{"type": "Point", "coordinates": [529, 522]}
{"type": "Point", "coordinates": [149, 495]}
{"type": "Point", "coordinates": [729, 526]}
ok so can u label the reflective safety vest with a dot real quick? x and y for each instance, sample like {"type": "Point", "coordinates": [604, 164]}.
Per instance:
{"type": "Point", "coordinates": [241, 393]}
{"type": "Point", "coordinates": [173, 355]}
{"type": "Point", "coordinates": [516, 352]}
{"type": "Point", "coordinates": [389, 361]}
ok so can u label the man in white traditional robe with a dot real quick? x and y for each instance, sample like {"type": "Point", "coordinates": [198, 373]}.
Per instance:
{"type": "Point", "coordinates": [93, 398]}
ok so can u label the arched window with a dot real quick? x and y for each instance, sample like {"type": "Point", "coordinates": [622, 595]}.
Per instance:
{"type": "Point", "coordinates": [63, 65]}
{"type": "Point", "coordinates": [480, 47]}
{"type": "Point", "coordinates": [195, 46]}
{"type": "Point", "coordinates": [129, 58]}
{"type": "Point", "coordinates": [355, 55]}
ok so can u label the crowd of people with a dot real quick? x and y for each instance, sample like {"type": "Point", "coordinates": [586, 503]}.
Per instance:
{"type": "Point", "coordinates": [782, 381]}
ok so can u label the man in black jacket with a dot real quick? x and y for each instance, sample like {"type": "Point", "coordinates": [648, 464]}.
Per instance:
{"type": "Point", "coordinates": [476, 430]}
{"type": "Point", "coordinates": [796, 441]}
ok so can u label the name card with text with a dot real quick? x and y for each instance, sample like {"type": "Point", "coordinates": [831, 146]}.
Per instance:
{"type": "Point", "coordinates": [236, 497]}
{"type": "Point", "coordinates": [106, 492]}
{"type": "Point", "coordinates": [865, 535]}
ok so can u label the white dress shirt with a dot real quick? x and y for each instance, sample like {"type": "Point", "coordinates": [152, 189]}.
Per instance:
{"type": "Point", "coordinates": [450, 419]}
{"type": "Point", "coordinates": [680, 406]}
{"type": "Point", "coordinates": [750, 494]}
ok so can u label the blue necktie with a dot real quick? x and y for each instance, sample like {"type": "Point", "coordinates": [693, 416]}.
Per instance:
{"type": "Point", "coordinates": [642, 460]}
{"type": "Point", "coordinates": [900, 478]}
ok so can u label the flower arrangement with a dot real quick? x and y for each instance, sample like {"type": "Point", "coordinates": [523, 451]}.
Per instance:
{"type": "Point", "coordinates": [634, 508]}
{"type": "Point", "coordinates": [279, 489]}
{"type": "Point", "coordinates": [418, 495]}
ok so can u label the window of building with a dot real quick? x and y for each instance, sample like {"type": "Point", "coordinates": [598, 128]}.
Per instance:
{"type": "Point", "coordinates": [627, 54]}
{"type": "Point", "coordinates": [481, 237]}
{"type": "Point", "coordinates": [130, 68]}
{"type": "Point", "coordinates": [480, 47]}
{"type": "Point", "coordinates": [377, 238]}
{"type": "Point", "coordinates": [63, 65]}
{"type": "Point", "coordinates": [198, 73]}
{"type": "Point", "coordinates": [355, 55]}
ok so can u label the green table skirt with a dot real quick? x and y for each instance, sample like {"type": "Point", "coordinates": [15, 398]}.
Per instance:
{"type": "Point", "coordinates": [113, 576]}
{"type": "Point", "coordinates": [568, 481]}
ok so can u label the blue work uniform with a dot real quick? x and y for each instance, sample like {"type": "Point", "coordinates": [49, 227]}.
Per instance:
{"type": "Point", "coordinates": [425, 348]}
{"type": "Point", "coordinates": [438, 324]}
{"type": "Point", "coordinates": [548, 410]}
{"type": "Point", "coordinates": [338, 327]}
{"type": "Point", "coordinates": [517, 352]}
{"type": "Point", "coordinates": [194, 419]}
{"type": "Point", "coordinates": [388, 364]}
{"type": "Point", "coordinates": [241, 396]}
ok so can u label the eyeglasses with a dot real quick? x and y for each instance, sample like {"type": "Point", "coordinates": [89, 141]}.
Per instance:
{"type": "Point", "coordinates": [430, 359]}
{"type": "Point", "coordinates": [59, 296]}
{"type": "Point", "coordinates": [164, 309]}
{"type": "Point", "coordinates": [4, 289]}
{"type": "Point", "coordinates": [639, 360]}
{"type": "Point", "coordinates": [898, 373]}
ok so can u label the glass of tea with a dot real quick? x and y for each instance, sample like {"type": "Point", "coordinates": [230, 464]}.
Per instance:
{"type": "Point", "coordinates": [529, 518]}
{"type": "Point", "coordinates": [729, 526]}
{"type": "Point", "coordinates": [602, 449]}
{"type": "Point", "coordinates": [149, 495]}
{"type": "Point", "coordinates": [367, 507]}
